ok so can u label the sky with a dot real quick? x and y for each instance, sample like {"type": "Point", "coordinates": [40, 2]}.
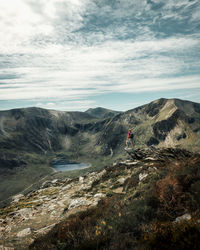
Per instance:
{"type": "Point", "coordinates": [78, 54]}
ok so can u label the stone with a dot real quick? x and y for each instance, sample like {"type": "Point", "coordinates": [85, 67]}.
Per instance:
{"type": "Point", "coordinates": [24, 232]}
{"type": "Point", "coordinates": [121, 180]}
{"type": "Point", "coordinates": [78, 202]}
{"type": "Point", "coordinates": [101, 174]}
{"type": "Point", "coordinates": [142, 176]}
{"type": "Point", "coordinates": [18, 197]}
{"type": "Point", "coordinates": [44, 230]}
{"type": "Point", "coordinates": [118, 190]}
{"type": "Point", "coordinates": [54, 181]}
{"type": "Point", "coordinates": [81, 179]}
{"type": "Point", "coordinates": [25, 211]}
{"type": "Point", "coordinates": [183, 217]}
{"type": "Point", "coordinates": [51, 207]}
{"type": "Point", "coordinates": [46, 184]}
{"type": "Point", "coordinates": [6, 248]}
{"type": "Point", "coordinates": [99, 195]}
{"type": "Point", "coordinates": [66, 187]}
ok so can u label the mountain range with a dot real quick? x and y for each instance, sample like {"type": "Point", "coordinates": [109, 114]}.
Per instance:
{"type": "Point", "coordinates": [30, 138]}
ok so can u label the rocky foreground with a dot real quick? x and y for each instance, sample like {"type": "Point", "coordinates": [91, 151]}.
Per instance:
{"type": "Point", "coordinates": [164, 183]}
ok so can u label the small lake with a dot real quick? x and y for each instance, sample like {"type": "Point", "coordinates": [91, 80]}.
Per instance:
{"type": "Point", "coordinates": [64, 166]}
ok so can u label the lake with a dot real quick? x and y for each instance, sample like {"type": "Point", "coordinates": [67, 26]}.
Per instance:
{"type": "Point", "coordinates": [63, 167]}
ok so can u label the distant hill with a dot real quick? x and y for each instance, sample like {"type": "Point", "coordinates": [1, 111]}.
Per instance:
{"type": "Point", "coordinates": [102, 112]}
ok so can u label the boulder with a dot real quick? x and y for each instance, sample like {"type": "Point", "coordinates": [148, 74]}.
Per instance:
{"type": "Point", "coordinates": [183, 217]}
{"type": "Point", "coordinates": [66, 187]}
{"type": "Point", "coordinates": [18, 197]}
{"type": "Point", "coordinates": [99, 195]}
{"type": "Point", "coordinates": [79, 202]}
{"type": "Point", "coordinates": [46, 184]}
{"type": "Point", "coordinates": [121, 180]}
{"type": "Point", "coordinates": [142, 176]}
{"type": "Point", "coordinates": [44, 230]}
{"type": "Point", "coordinates": [24, 232]}
{"type": "Point", "coordinates": [81, 179]}
{"type": "Point", "coordinates": [25, 212]}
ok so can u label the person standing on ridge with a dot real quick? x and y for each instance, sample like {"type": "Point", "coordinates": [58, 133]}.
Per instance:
{"type": "Point", "coordinates": [129, 138]}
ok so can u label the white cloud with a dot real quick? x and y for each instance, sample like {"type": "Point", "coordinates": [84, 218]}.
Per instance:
{"type": "Point", "coordinates": [77, 49]}
{"type": "Point", "coordinates": [80, 72]}
{"type": "Point", "coordinates": [72, 105]}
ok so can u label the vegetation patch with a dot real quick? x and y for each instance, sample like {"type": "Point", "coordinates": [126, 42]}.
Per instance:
{"type": "Point", "coordinates": [142, 217]}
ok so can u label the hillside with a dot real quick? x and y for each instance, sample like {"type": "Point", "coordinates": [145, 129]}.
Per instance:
{"type": "Point", "coordinates": [30, 139]}
{"type": "Point", "coordinates": [162, 123]}
{"type": "Point", "coordinates": [102, 112]}
{"type": "Point", "coordinates": [149, 201]}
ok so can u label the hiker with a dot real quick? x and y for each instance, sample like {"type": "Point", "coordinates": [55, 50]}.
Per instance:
{"type": "Point", "coordinates": [129, 138]}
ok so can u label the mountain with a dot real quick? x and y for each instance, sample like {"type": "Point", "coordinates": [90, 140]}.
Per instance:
{"type": "Point", "coordinates": [149, 201]}
{"type": "Point", "coordinates": [161, 123]}
{"type": "Point", "coordinates": [30, 139]}
{"type": "Point", "coordinates": [102, 112]}
{"type": "Point", "coordinates": [38, 130]}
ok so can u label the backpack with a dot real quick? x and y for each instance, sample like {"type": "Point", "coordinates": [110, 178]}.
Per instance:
{"type": "Point", "coordinates": [131, 135]}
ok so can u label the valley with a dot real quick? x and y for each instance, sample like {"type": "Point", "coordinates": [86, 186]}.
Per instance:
{"type": "Point", "coordinates": [31, 138]}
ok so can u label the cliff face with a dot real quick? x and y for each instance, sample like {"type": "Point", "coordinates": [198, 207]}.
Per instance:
{"type": "Point", "coordinates": [126, 205]}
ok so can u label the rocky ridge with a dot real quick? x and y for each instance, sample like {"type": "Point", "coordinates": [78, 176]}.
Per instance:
{"type": "Point", "coordinates": [31, 216]}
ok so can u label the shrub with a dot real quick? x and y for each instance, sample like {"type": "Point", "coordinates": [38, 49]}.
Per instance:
{"type": "Point", "coordinates": [182, 235]}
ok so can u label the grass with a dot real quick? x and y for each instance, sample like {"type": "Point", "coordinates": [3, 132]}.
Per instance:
{"type": "Point", "coordinates": [15, 181]}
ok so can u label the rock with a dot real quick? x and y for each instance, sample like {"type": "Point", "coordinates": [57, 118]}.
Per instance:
{"type": "Point", "coordinates": [18, 197]}
{"type": "Point", "coordinates": [55, 182]}
{"type": "Point", "coordinates": [99, 195]}
{"type": "Point", "coordinates": [86, 186]}
{"type": "Point", "coordinates": [142, 176]}
{"type": "Point", "coordinates": [51, 207]}
{"type": "Point", "coordinates": [183, 217]}
{"type": "Point", "coordinates": [66, 180]}
{"type": "Point", "coordinates": [121, 180]}
{"type": "Point", "coordinates": [6, 248]}
{"type": "Point", "coordinates": [118, 190]}
{"type": "Point", "coordinates": [78, 203]}
{"type": "Point", "coordinates": [66, 187]}
{"type": "Point", "coordinates": [101, 174]}
{"type": "Point", "coordinates": [44, 230]}
{"type": "Point", "coordinates": [24, 232]}
{"type": "Point", "coordinates": [129, 150]}
{"type": "Point", "coordinates": [61, 204]}
{"type": "Point", "coordinates": [81, 179]}
{"type": "Point", "coordinates": [46, 184]}
{"type": "Point", "coordinates": [25, 212]}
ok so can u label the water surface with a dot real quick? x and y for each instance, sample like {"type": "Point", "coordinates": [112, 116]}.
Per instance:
{"type": "Point", "coordinates": [63, 167]}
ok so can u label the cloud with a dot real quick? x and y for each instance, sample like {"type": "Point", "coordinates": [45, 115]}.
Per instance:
{"type": "Point", "coordinates": [85, 71]}
{"type": "Point", "coordinates": [77, 49]}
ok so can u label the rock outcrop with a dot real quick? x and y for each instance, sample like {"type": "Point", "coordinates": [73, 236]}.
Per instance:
{"type": "Point", "coordinates": [28, 217]}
